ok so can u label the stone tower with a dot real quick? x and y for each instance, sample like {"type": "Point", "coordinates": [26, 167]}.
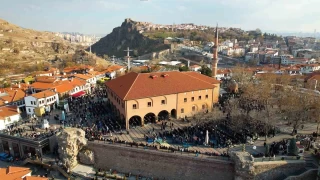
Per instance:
{"type": "Point", "coordinates": [215, 54]}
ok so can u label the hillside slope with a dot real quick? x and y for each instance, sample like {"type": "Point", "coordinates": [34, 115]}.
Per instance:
{"type": "Point", "coordinates": [19, 45]}
{"type": "Point", "coordinates": [125, 36]}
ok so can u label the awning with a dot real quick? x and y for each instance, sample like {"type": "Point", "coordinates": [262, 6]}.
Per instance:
{"type": "Point", "coordinates": [78, 94]}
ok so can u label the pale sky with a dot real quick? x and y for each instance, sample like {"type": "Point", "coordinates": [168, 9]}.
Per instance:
{"type": "Point", "coordinates": [101, 16]}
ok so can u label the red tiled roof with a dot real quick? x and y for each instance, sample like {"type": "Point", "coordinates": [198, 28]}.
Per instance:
{"type": "Point", "coordinates": [43, 94]}
{"type": "Point", "coordinates": [137, 86]}
{"type": "Point", "coordinates": [202, 77]}
{"type": "Point", "coordinates": [84, 76]}
{"type": "Point", "coordinates": [13, 173]}
{"type": "Point", "coordinates": [11, 95]}
{"type": "Point", "coordinates": [16, 173]}
{"type": "Point", "coordinates": [7, 111]}
{"type": "Point", "coordinates": [34, 178]}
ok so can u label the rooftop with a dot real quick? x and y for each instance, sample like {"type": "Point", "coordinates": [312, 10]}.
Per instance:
{"type": "Point", "coordinates": [16, 173]}
{"type": "Point", "coordinates": [84, 76]}
{"type": "Point", "coordinates": [142, 85]}
{"type": "Point", "coordinates": [43, 94]}
{"type": "Point", "coordinates": [13, 173]}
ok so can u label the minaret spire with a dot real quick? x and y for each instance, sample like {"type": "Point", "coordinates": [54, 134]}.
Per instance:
{"type": "Point", "coordinates": [215, 54]}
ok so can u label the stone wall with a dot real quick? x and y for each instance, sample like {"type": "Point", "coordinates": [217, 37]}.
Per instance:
{"type": "Point", "coordinates": [308, 175]}
{"type": "Point", "coordinates": [152, 163]}
{"type": "Point", "coordinates": [277, 169]}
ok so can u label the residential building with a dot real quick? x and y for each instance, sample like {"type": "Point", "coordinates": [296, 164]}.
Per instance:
{"type": "Point", "coordinates": [68, 86]}
{"type": "Point", "coordinates": [112, 71]}
{"type": "Point", "coordinates": [91, 80]}
{"type": "Point", "coordinates": [233, 51]}
{"type": "Point", "coordinates": [223, 74]}
{"type": "Point", "coordinates": [18, 173]}
{"type": "Point", "coordinates": [98, 75]}
{"type": "Point", "coordinates": [39, 103]}
{"type": "Point", "coordinates": [294, 61]}
{"type": "Point", "coordinates": [195, 67]}
{"type": "Point", "coordinates": [309, 68]}
{"type": "Point", "coordinates": [8, 116]}
{"type": "Point", "coordinates": [254, 49]}
{"type": "Point", "coordinates": [13, 96]}
{"type": "Point", "coordinates": [158, 95]}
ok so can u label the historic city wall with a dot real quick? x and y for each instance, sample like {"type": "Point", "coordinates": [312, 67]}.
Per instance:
{"type": "Point", "coordinates": [161, 165]}
{"type": "Point", "coordinates": [308, 175]}
{"type": "Point", "coordinates": [277, 169]}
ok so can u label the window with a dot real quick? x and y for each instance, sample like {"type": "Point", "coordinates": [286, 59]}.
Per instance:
{"type": "Point", "coordinates": [207, 96]}
{"type": "Point", "coordinates": [203, 106]}
{"type": "Point", "coordinates": [134, 106]}
{"type": "Point", "coordinates": [199, 98]}
{"type": "Point", "coordinates": [182, 110]}
{"type": "Point", "coordinates": [163, 101]}
{"type": "Point", "coordinates": [149, 104]}
{"type": "Point", "coordinates": [31, 102]}
{"type": "Point", "coordinates": [185, 100]}
{"type": "Point", "coordinates": [192, 99]}
{"type": "Point", "coordinates": [29, 109]}
{"type": "Point", "coordinates": [193, 108]}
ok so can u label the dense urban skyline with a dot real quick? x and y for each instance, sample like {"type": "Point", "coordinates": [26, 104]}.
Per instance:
{"type": "Point", "coordinates": [101, 16]}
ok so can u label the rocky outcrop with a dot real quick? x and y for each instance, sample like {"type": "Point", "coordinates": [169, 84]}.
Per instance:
{"type": "Point", "coordinates": [70, 142]}
{"type": "Point", "coordinates": [244, 169]}
{"type": "Point", "coordinates": [86, 156]}
{"type": "Point", "coordinates": [127, 35]}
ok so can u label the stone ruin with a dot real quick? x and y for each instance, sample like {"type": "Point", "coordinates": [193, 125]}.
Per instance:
{"type": "Point", "coordinates": [244, 169]}
{"type": "Point", "coordinates": [86, 156]}
{"type": "Point", "coordinates": [71, 141]}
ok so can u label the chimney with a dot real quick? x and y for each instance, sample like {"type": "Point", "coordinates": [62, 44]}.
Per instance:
{"type": "Point", "coordinates": [153, 76]}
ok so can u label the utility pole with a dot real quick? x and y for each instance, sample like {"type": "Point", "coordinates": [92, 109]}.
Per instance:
{"type": "Point", "coordinates": [113, 60]}
{"type": "Point", "coordinates": [128, 56]}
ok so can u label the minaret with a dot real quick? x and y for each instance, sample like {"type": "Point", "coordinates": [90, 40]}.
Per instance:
{"type": "Point", "coordinates": [215, 54]}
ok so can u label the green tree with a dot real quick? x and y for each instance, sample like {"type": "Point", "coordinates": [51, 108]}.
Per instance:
{"type": "Point", "coordinates": [293, 149]}
{"type": "Point", "coordinates": [184, 68]}
{"type": "Point", "coordinates": [206, 71]}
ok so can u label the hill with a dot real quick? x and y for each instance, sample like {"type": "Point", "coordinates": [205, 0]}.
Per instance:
{"type": "Point", "coordinates": [22, 50]}
{"type": "Point", "coordinates": [145, 37]}
{"type": "Point", "coordinates": [127, 35]}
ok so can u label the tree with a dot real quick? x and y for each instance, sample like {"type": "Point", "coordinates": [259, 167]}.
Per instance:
{"type": "Point", "coordinates": [297, 108]}
{"type": "Point", "coordinates": [293, 149]}
{"type": "Point", "coordinates": [242, 75]}
{"type": "Point", "coordinates": [253, 62]}
{"type": "Point", "coordinates": [184, 68]}
{"type": "Point", "coordinates": [205, 70]}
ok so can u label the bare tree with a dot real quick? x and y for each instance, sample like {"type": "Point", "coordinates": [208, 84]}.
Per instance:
{"type": "Point", "coordinates": [297, 108]}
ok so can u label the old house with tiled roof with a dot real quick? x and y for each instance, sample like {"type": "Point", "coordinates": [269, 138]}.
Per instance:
{"type": "Point", "coordinates": [13, 96]}
{"type": "Point", "coordinates": [144, 97]}
{"type": "Point", "coordinates": [8, 116]}
{"type": "Point", "coordinates": [39, 103]}
{"type": "Point", "coordinates": [112, 71]}
{"type": "Point", "coordinates": [18, 173]}
{"type": "Point", "coordinates": [70, 86]}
